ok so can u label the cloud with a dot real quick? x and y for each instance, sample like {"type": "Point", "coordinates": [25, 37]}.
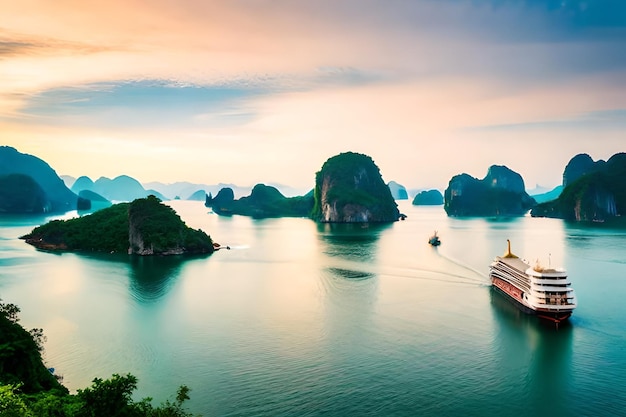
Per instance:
{"type": "Point", "coordinates": [612, 120]}
{"type": "Point", "coordinates": [135, 104]}
{"type": "Point", "coordinates": [404, 81]}
{"type": "Point", "coordinates": [15, 45]}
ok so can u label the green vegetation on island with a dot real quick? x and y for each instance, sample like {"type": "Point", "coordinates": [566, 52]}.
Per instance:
{"type": "Point", "coordinates": [500, 193]}
{"type": "Point", "coordinates": [597, 194]}
{"type": "Point", "coordinates": [155, 228]}
{"type": "Point", "coordinates": [263, 202]}
{"type": "Point", "coordinates": [29, 389]}
{"type": "Point", "coordinates": [349, 189]}
{"type": "Point", "coordinates": [144, 226]}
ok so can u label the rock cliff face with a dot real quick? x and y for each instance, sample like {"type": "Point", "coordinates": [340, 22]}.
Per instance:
{"type": "Point", "coordinates": [597, 195]}
{"type": "Point", "coordinates": [350, 189]}
{"type": "Point", "coordinates": [154, 228]}
{"type": "Point", "coordinates": [500, 193]}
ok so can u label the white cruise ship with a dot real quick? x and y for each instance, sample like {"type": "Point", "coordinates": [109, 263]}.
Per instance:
{"type": "Point", "coordinates": [545, 292]}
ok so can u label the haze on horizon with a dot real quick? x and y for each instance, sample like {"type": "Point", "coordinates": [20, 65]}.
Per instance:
{"type": "Point", "coordinates": [264, 91]}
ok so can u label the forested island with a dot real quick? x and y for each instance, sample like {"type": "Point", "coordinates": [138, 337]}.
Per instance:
{"type": "Point", "coordinates": [593, 191]}
{"type": "Point", "coordinates": [144, 227]}
{"type": "Point", "coordinates": [349, 189]}
{"type": "Point", "coordinates": [263, 202]}
{"type": "Point", "coordinates": [500, 193]}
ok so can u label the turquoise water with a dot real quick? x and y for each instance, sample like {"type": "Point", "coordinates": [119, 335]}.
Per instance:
{"type": "Point", "coordinates": [302, 319]}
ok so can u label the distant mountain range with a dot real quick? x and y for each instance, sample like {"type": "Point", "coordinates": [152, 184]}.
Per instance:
{"type": "Point", "coordinates": [31, 185]}
{"type": "Point", "coordinates": [591, 190]}
{"type": "Point", "coordinates": [184, 190]}
{"type": "Point", "coordinates": [121, 188]}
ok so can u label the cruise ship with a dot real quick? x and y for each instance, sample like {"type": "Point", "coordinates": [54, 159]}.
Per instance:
{"type": "Point", "coordinates": [545, 292]}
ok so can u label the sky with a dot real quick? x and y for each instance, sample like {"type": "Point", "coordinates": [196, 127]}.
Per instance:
{"type": "Point", "coordinates": [265, 91]}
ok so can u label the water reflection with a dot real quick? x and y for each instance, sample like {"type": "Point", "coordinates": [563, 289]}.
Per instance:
{"type": "Point", "coordinates": [352, 250]}
{"type": "Point", "coordinates": [151, 277]}
{"type": "Point", "coordinates": [349, 283]}
{"type": "Point", "coordinates": [354, 242]}
{"type": "Point", "coordinates": [536, 358]}
{"type": "Point", "coordinates": [350, 274]}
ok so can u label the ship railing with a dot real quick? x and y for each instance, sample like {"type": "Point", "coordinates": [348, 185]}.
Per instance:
{"type": "Point", "coordinates": [514, 281]}
{"type": "Point", "coordinates": [556, 302]}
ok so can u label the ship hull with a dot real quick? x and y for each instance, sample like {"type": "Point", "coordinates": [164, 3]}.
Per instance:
{"type": "Point", "coordinates": [512, 293]}
{"type": "Point", "coordinates": [515, 295]}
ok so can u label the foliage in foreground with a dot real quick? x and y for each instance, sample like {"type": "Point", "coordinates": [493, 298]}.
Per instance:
{"type": "Point", "coordinates": [28, 389]}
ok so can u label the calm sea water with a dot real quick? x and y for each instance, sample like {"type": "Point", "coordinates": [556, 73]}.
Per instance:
{"type": "Point", "coordinates": [300, 319]}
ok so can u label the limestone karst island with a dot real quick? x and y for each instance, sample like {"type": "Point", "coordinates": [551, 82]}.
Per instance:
{"type": "Point", "coordinates": [143, 227]}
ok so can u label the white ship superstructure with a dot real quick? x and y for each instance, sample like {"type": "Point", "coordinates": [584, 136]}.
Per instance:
{"type": "Point", "coordinates": [545, 292]}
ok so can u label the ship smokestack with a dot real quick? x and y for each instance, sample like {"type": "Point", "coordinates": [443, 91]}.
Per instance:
{"type": "Point", "coordinates": [508, 253]}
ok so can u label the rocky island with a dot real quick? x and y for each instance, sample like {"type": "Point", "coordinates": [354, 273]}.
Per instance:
{"type": "Point", "coordinates": [143, 227]}
{"type": "Point", "coordinates": [500, 193]}
{"type": "Point", "coordinates": [263, 202]}
{"type": "Point", "coordinates": [428, 198]}
{"type": "Point", "coordinates": [593, 191]}
{"type": "Point", "coordinates": [349, 189]}
{"type": "Point", "coordinates": [30, 185]}
{"type": "Point", "coordinates": [398, 191]}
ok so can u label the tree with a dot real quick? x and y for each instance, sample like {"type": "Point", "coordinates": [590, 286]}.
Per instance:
{"type": "Point", "coordinates": [11, 404]}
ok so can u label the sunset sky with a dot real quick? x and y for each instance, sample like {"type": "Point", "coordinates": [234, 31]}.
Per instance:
{"type": "Point", "coordinates": [264, 91]}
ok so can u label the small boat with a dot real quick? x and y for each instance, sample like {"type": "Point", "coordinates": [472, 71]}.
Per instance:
{"type": "Point", "coordinates": [434, 240]}
{"type": "Point", "coordinates": [545, 292]}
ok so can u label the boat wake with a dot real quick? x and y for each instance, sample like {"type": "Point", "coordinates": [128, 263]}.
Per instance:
{"type": "Point", "coordinates": [480, 276]}
{"type": "Point", "coordinates": [451, 271]}
{"type": "Point", "coordinates": [432, 275]}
